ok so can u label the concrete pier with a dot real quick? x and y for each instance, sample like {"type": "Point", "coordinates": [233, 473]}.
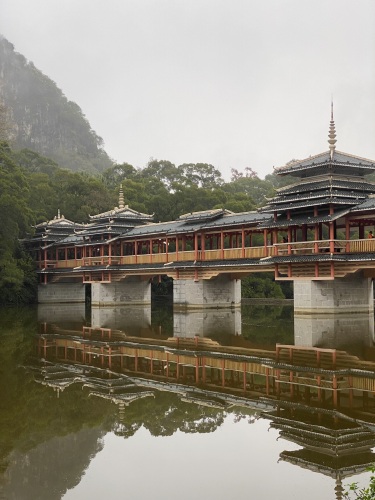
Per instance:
{"type": "Point", "coordinates": [61, 293]}
{"type": "Point", "coordinates": [219, 292]}
{"type": "Point", "coordinates": [134, 290]}
{"type": "Point", "coordinates": [338, 296]}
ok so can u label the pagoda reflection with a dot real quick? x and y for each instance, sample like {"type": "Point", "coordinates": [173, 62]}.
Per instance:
{"type": "Point", "coordinates": [320, 398]}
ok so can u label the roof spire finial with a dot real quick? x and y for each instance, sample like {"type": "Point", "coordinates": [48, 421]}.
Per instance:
{"type": "Point", "coordinates": [58, 214]}
{"type": "Point", "coordinates": [121, 198]}
{"type": "Point", "coordinates": [332, 133]}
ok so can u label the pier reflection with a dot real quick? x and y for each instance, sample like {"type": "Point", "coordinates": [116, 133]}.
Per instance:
{"type": "Point", "coordinates": [316, 394]}
{"type": "Point", "coordinates": [343, 331]}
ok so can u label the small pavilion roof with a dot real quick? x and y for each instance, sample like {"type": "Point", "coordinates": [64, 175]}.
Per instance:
{"type": "Point", "coordinates": [124, 213]}
{"type": "Point", "coordinates": [121, 213]}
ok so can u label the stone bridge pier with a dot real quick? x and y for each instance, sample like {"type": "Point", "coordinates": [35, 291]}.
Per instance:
{"type": "Point", "coordinates": [339, 296]}
{"type": "Point", "coordinates": [62, 293]}
{"type": "Point", "coordinates": [219, 292]}
{"type": "Point", "coordinates": [134, 290]}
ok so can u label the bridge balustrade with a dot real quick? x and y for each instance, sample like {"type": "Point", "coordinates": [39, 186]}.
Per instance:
{"type": "Point", "coordinates": [321, 246]}
{"type": "Point", "coordinates": [292, 248]}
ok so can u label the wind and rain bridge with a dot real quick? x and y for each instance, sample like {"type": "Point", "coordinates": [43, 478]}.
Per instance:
{"type": "Point", "coordinates": [316, 232]}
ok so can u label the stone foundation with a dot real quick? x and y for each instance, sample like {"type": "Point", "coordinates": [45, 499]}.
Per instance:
{"type": "Point", "coordinates": [132, 291]}
{"type": "Point", "coordinates": [61, 293]}
{"type": "Point", "coordinates": [341, 295]}
{"type": "Point", "coordinates": [220, 292]}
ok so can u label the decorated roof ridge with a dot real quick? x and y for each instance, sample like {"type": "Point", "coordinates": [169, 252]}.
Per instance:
{"type": "Point", "coordinates": [356, 157]}
{"type": "Point", "coordinates": [121, 211]}
{"type": "Point", "coordinates": [203, 213]}
{"type": "Point", "coordinates": [58, 220]}
{"type": "Point", "coordinates": [293, 163]}
{"type": "Point", "coordinates": [332, 134]}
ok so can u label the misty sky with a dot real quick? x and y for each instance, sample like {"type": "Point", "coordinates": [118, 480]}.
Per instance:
{"type": "Point", "coordinates": [232, 83]}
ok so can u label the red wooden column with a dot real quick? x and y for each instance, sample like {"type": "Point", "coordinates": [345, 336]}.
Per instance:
{"type": "Point", "coordinates": [316, 238]}
{"type": "Point", "coordinates": [347, 234]}
{"type": "Point", "coordinates": [331, 232]}
{"type": "Point", "coordinates": [196, 246]}
{"type": "Point", "coordinates": [331, 237]}
{"type": "Point", "coordinates": [222, 243]}
{"type": "Point", "coordinates": [265, 242]}
{"type": "Point", "coordinates": [136, 251]}
{"type": "Point", "coordinates": [290, 236]}
{"type": "Point", "coordinates": [177, 248]}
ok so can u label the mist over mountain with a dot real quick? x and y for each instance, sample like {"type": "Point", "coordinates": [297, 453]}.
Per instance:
{"type": "Point", "coordinates": [43, 119]}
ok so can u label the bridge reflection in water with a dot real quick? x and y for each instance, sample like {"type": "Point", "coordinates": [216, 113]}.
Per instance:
{"type": "Point", "coordinates": [318, 395]}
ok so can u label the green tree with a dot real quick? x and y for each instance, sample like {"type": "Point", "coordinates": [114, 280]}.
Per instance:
{"type": "Point", "coordinates": [16, 274]}
{"type": "Point", "coordinates": [367, 493]}
{"type": "Point", "coordinates": [261, 285]}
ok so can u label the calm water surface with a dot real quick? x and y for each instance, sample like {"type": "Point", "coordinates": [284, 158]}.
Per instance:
{"type": "Point", "coordinates": [139, 403]}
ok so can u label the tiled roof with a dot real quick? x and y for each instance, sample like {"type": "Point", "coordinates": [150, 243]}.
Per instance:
{"type": "Point", "coordinates": [310, 203]}
{"type": "Point", "coordinates": [341, 162]}
{"type": "Point", "coordinates": [368, 204]}
{"type": "Point", "coordinates": [299, 220]}
{"type": "Point", "coordinates": [331, 193]}
{"type": "Point", "coordinates": [325, 257]}
{"type": "Point", "coordinates": [302, 187]}
{"type": "Point", "coordinates": [205, 215]}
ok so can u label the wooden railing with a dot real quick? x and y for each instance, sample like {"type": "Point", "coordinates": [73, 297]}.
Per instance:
{"type": "Point", "coordinates": [366, 246]}
{"type": "Point", "coordinates": [323, 246]}
{"type": "Point", "coordinates": [282, 249]}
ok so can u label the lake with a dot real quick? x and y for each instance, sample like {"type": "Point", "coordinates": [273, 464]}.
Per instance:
{"type": "Point", "coordinates": [142, 403]}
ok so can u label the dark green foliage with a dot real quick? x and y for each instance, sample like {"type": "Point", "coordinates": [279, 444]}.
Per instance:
{"type": "Point", "coordinates": [16, 269]}
{"type": "Point", "coordinates": [261, 285]}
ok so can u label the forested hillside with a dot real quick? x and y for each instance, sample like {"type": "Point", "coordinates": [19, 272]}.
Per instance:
{"type": "Point", "coordinates": [43, 119]}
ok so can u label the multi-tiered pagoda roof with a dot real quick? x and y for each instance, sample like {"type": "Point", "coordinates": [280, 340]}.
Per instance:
{"type": "Point", "coordinates": [328, 182]}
